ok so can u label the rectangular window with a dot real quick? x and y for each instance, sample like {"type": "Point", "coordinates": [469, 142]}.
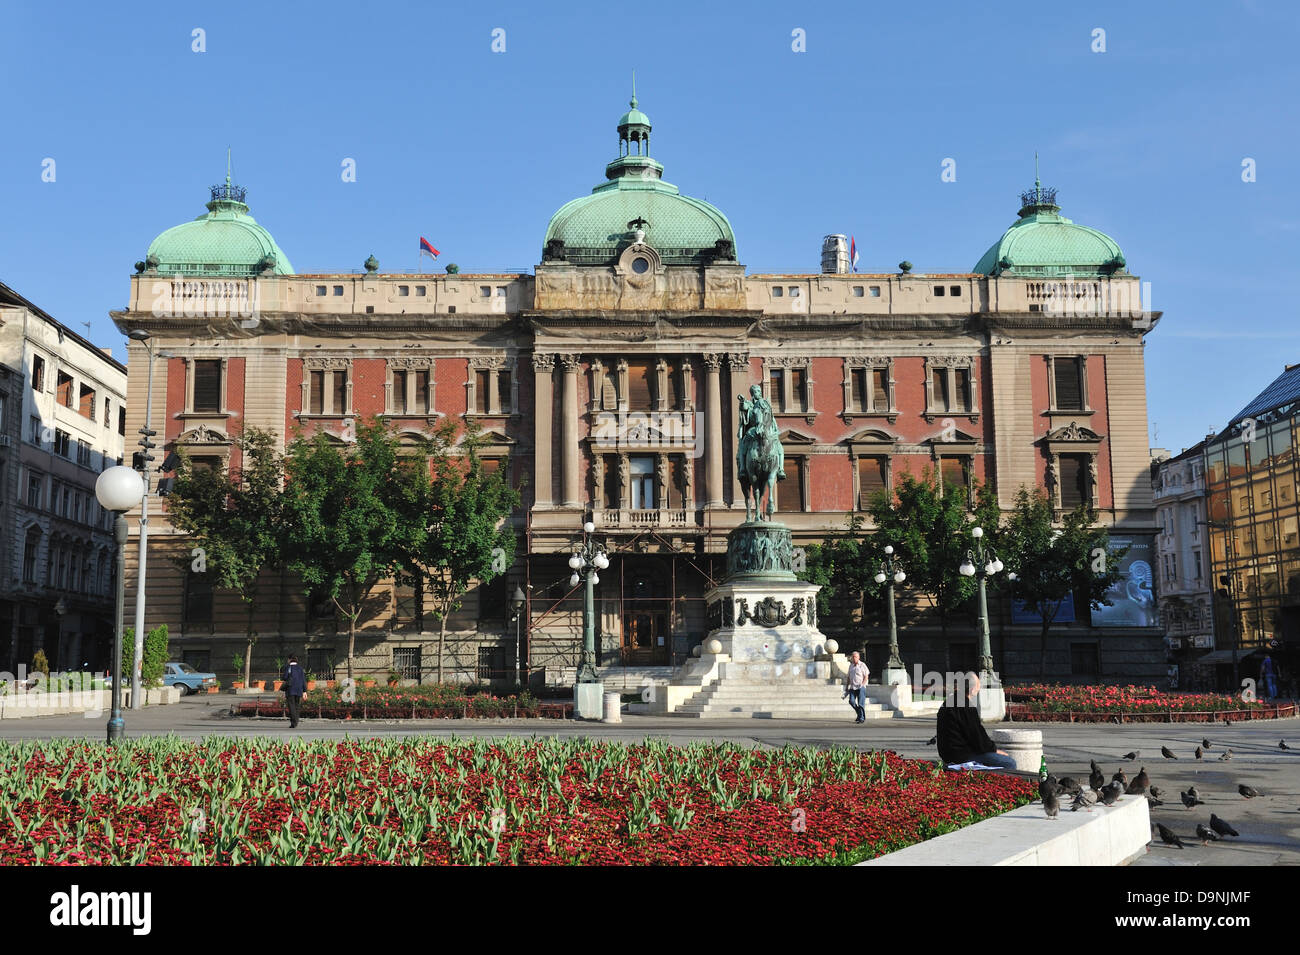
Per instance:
{"type": "Point", "coordinates": [338, 290]}
{"type": "Point", "coordinates": [316, 393]}
{"type": "Point", "coordinates": [643, 483]}
{"type": "Point", "coordinates": [640, 385]}
{"type": "Point", "coordinates": [481, 384]}
{"type": "Point", "coordinates": [421, 387]}
{"type": "Point", "coordinates": [320, 661]}
{"type": "Point", "coordinates": [38, 374]}
{"type": "Point", "coordinates": [1196, 556]}
{"type": "Point", "coordinates": [406, 661]}
{"type": "Point", "coordinates": [778, 390]}
{"type": "Point", "coordinates": [880, 389]}
{"type": "Point", "coordinates": [789, 493]}
{"type": "Point", "coordinates": [35, 423]}
{"type": "Point", "coordinates": [320, 290]}
{"type": "Point", "coordinates": [777, 291]}
{"type": "Point", "coordinates": [954, 473]}
{"type": "Point", "coordinates": [205, 462]}
{"type": "Point", "coordinates": [1073, 477]}
{"type": "Point", "coordinates": [86, 402]}
{"type": "Point", "coordinates": [963, 402]}
{"type": "Point", "coordinates": [871, 480]}
{"type": "Point", "coordinates": [938, 291]}
{"type": "Point", "coordinates": [403, 290]}
{"type": "Point", "coordinates": [62, 443]}
{"type": "Point", "coordinates": [83, 454]}
{"type": "Point", "coordinates": [35, 490]}
{"type": "Point", "coordinates": [612, 502]}
{"type": "Point", "coordinates": [875, 291]}
{"type": "Point", "coordinates": [399, 392]}
{"type": "Point", "coordinates": [207, 386]}
{"type": "Point", "coordinates": [340, 392]}
{"type": "Point", "coordinates": [485, 291]}
{"type": "Point", "coordinates": [1069, 384]}
{"type": "Point", "coordinates": [198, 602]}
{"type": "Point", "coordinates": [404, 602]}
{"type": "Point", "coordinates": [954, 291]}
{"type": "Point", "coordinates": [939, 385]}
{"type": "Point", "coordinates": [857, 291]}
{"type": "Point", "coordinates": [108, 413]}
{"type": "Point", "coordinates": [29, 558]}
{"type": "Point", "coordinates": [676, 482]}
{"type": "Point", "coordinates": [121, 420]}
{"type": "Point", "coordinates": [501, 291]}
{"type": "Point", "coordinates": [673, 391]}
{"type": "Point", "coordinates": [798, 392]}
{"type": "Point", "coordinates": [503, 392]}
{"type": "Point", "coordinates": [64, 390]}
{"type": "Point", "coordinates": [859, 388]}
{"type": "Point", "coordinates": [491, 663]}
{"type": "Point", "coordinates": [421, 290]}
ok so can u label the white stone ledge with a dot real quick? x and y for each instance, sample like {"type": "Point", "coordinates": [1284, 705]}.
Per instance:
{"type": "Point", "coordinates": [1025, 836]}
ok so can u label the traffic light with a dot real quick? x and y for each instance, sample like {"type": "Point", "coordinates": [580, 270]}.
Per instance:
{"type": "Point", "coordinates": [165, 486]}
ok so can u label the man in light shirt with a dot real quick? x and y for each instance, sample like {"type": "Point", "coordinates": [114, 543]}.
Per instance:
{"type": "Point", "coordinates": [855, 686]}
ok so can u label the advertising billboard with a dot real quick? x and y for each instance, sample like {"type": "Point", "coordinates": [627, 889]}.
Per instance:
{"type": "Point", "coordinates": [1132, 600]}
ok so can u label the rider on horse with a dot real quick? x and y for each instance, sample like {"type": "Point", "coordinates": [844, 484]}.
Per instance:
{"type": "Point", "coordinates": [759, 456]}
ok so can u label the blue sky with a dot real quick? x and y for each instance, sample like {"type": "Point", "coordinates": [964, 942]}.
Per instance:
{"type": "Point", "coordinates": [476, 149]}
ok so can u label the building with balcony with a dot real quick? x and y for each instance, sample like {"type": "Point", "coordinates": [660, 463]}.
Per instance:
{"type": "Point", "coordinates": [1253, 491]}
{"type": "Point", "coordinates": [607, 382]}
{"type": "Point", "coordinates": [62, 416]}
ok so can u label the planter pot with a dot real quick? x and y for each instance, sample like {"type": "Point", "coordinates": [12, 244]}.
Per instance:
{"type": "Point", "coordinates": [259, 684]}
{"type": "Point", "coordinates": [368, 684]}
{"type": "Point", "coordinates": [237, 685]}
{"type": "Point", "coordinates": [311, 684]}
{"type": "Point", "coordinates": [214, 689]}
{"type": "Point", "coordinates": [277, 685]}
{"type": "Point", "coordinates": [330, 684]}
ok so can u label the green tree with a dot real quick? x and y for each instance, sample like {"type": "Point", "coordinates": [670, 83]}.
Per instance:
{"type": "Point", "coordinates": [1054, 561]}
{"type": "Point", "coordinates": [350, 516]}
{"type": "Point", "coordinates": [929, 526]}
{"type": "Point", "coordinates": [843, 568]}
{"type": "Point", "coordinates": [236, 519]}
{"type": "Point", "coordinates": [466, 539]}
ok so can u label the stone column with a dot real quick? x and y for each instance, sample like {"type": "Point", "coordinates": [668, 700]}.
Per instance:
{"type": "Point", "coordinates": [713, 431]}
{"type": "Point", "coordinates": [739, 365]}
{"type": "Point", "coordinates": [572, 495]}
{"type": "Point", "coordinates": [543, 398]}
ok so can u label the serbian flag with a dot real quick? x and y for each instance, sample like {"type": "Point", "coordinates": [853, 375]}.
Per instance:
{"type": "Point", "coordinates": [853, 252]}
{"type": "Point", "coordinates": [426, 247]}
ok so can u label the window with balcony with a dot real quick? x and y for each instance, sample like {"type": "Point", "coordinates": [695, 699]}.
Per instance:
{"type": "Point", "coordinates": [642, 474]}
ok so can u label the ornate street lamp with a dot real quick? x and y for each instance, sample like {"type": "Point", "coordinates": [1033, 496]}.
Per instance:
{"type": "Point", "coordinates": [892, 574]}
{"type": "Point", "coordinates": [117, 490]}
{"type": "Point", "coordinates": [981, 567]}
{"type": "Point", "coordinates": [585, 562]}
{"type": "Point", "coordinates": [517, 612]}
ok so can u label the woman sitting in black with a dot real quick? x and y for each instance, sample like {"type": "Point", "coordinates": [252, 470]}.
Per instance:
{"type": "Point", "coordinates": [960, 735]}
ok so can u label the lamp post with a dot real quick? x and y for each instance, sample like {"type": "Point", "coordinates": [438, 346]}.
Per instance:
{"type": "Point", "coordinates": [517, 610]}
{"type": "Point", "coordinates": [892, 574]}
{"type": "Point", "coordinates": [585, 562]}
{"type": "Point", "coordinates": [117, 490]}
{"type": "Point", "coordinates": [981, 567]}
{"type": "Point", "coordinates": [146, 444]}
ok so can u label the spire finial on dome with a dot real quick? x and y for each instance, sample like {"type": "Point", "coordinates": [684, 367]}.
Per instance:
{"type": "Point", "coordinates": [633, 103]}
{"type": "Point", "coordinates": [1038, 185]}
{"type": "Point", "coordinates": [227, 167]}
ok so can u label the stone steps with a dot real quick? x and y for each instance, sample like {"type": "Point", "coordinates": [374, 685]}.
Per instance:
{"type": "Point", "coordinates": [628, 679]}
{"type": "Point", "coordinates": [786, 700]}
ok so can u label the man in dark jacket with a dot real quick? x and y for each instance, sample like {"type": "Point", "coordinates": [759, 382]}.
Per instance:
{"type": "Point", "coordinates": [960, 733]}
{"type": "Point", "coordinates": [295, 687]}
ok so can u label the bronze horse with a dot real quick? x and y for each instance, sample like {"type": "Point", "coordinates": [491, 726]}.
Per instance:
{"type": "Point", "coordinates": [759, 456]}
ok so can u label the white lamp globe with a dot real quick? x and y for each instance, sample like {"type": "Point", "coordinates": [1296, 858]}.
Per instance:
{"type": "Point", "coordinates": [595, 579]}
{"type": "Point", "coordinates": [589, 527]}
{"type": "Point", "coordinates": [601, 561]}
{"type": "Point", "coordinates": [977, 532]}
{"type": "Point", "coordinates": [889, 548]}
{"type": "Point", "coordinates": [989, 569]}
{"type": "Point", "coordinates": [119, 489]}
{"type": "Point", "coordinates": [573, 581]}
{"type": "Point", "coordinates": [1011, 576]}
{"type": "Point", "coordinates": [574, 561]}
{"type": "Point", "coordinates": [967, 569]}
{"type": "Point", "coordinates": [899, 577]}
{"type": "Point", "coordinates": [880, 578]}
{"type": "Point", "coordinates": [997, 565]}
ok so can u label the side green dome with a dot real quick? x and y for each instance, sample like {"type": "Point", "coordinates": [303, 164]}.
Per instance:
{"type": "Point", "coordinates": [595, 229]}
{"type": "Point", "coordinates": [1044, 242]}
{"type": "Point", "coordinates": [226, 241]}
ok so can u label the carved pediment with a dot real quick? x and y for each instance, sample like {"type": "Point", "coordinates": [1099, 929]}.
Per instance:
{"type": "Point", "coordinates": [1073, 432]}
{"type": "Point", "coordinates": [793, 437]}
{"type": "Point", "coordinates": [872, 436]}
{"type": "Point", "coordinates": [203, 435]}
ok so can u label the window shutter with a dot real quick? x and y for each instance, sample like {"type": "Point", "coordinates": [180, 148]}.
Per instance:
{"type": "Point", "coordinates": [789, 493]}
{"type": "Point", "coordinates": [798, 396]}
{"type": "Point", "coordinates": [640, 392]}
{"type": "Point", "coordinates": [871, 480]}
{"type": "Point", "coordinates": [954, 473]}
{"type": "Point", "coordinates": [399, 392]}
{"type": "Point", "coordinates": [858, 377]}
{"type": "Point", "coordinates": [1069, 391]}
{"type": "Point", "coordinates": [481, 391]}
{"type": "Point", "coordinates": [421, 392]}
{"type": "Point", "coordinates": [940, 389]}
{"type": "Point", "coordinates": [316, 402]}
{"type": "Point", "coordinates": [340, 391]}
{"type": "Point", "coordinates": [880, 388]}
{"type": "Point", "coordinates": [207, 386]}
{"type": "Point", "coordinates": [503, 392]}
{"type": "Point", "coordinates": [1072, 477]}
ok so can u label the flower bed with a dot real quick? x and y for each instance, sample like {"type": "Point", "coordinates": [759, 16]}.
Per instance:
{"type": "Point", "coordinates": [437, 702]}
{"type": "Point", "coordinates": [1135, 704]}
{"type": "Point", "coordinates": [163, 801]}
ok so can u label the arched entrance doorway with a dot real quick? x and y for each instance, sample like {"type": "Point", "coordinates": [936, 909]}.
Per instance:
{"type": "Point", "coordinates": [646, 614]}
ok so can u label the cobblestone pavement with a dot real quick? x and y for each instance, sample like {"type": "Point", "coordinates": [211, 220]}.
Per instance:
{"type": "Point", "coordinates": [1269, 825]}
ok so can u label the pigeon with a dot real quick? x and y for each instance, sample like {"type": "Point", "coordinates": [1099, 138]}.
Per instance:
{"type": "Point", "coordinates": [1120, 778]}
{"type": "Point", "coordinates": [1227, 755]}
{"type": "Point", "coordinates": [1068, 784]}
{"type": "Point", "coordinates": [1189, 800]}
{"type": "Point", "coordinates": [1083, 800]}
{"type": "Point", "coordinates": [1051, 803]}
{"type": "Point", "coordinates": [1110, 793]}
{"type": "Point", "coordinates": [1155, 791]}
{"type": "Point", "coordinates": [1281, 744]}
{"type": "Point", "coordinates": [1206, 744]}
{"type": "Point", "coordinates": [1200, 753]}
{"type": "Point", "coordinates": [1096, 779]}
{"type": "Point", "coordinates": [1164, 751]}
{"type": "Point", "coordinates": [1133, 755]}
{"type": "Point", "coordinates": [931, 741]}
{"type": "Point", "coordinates": [1221, 827]}
{"type": "Point", "coordinates": [1191, 791]}
{"type": "Point", "coordinates": [1168, 836]}
{"type": "Point", "coordinates": [1140, 784]}
{"type": "Point", "coordinates": [1153, 801]}
{"type": "Point", "coordinates": [1247, 791]}
{"type": "Point", "coordinates": [1206, 834]}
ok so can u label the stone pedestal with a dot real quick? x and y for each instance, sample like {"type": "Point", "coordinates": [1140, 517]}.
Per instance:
{"type": "Point", "coordinates": [1024, 746]}
{"type": "Point", "coordinates": [588, 701]}
{"type": "Point", "coordinates": [897, 676]}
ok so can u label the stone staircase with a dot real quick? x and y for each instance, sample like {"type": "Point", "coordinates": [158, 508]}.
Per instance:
{"type": "Point", "coordinates": [808, 700]}
{"type": "Point", "coordinates": [619, 679]}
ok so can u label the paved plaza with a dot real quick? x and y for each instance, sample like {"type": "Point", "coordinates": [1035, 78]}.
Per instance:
{"type": "Point", "coordinates": [1269, 825]}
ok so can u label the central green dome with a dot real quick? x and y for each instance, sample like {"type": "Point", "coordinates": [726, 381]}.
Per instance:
{"type": "Point", "coordinates": [1044, 243]}
{"type": "Point", "coordinates": [227, 241]}
{"type": "Point", "coordinates": [595, 229]}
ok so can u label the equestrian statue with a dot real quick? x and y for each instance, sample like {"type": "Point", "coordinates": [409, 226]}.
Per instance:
{"type": "Point", "coordinates": [760, 458]}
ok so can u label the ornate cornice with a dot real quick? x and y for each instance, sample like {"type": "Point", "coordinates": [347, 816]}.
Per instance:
{"type": "Point", "coordinates": [325, 362]}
